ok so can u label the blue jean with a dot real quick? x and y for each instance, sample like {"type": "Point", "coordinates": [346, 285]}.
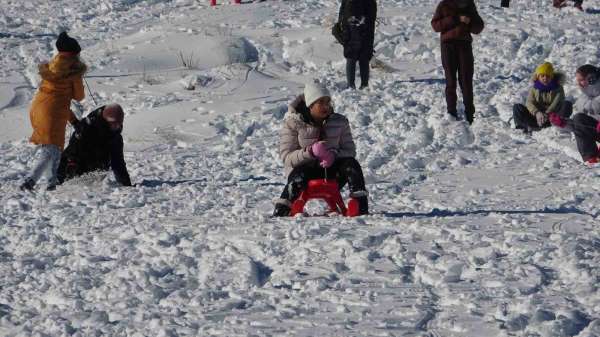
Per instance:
{"type": "Point", "coordinates": [45, 165]}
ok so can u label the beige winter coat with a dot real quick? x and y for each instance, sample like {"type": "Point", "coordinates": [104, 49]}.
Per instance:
{"type": "Point", "coordinates": [546, 102]}
{"type": "Point", "coordinates": [298, 134]}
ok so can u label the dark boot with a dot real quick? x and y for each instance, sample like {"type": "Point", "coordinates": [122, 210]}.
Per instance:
{"type": "Point", "coordinates": [470, 114]}
{"type": "Point", "coordinates": [281, 210]}
{"type": "Point", "coordinates": [469, 118]}
{"type": "Point", "coordinates": [363, 205]}
{"type": "Point", "coordinates": [28, 185]}
{"type": "Point", "coordinates": [453, 115]}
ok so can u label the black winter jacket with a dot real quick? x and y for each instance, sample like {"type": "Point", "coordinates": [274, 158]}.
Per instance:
{"type": "Point", "coordinates": [93, 146]}
{"type": "Point", "coordinates": [357, 18]}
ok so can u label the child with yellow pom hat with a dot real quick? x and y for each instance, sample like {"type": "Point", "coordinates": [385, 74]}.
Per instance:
{"type": "Point", "coordinates": [546, 96]}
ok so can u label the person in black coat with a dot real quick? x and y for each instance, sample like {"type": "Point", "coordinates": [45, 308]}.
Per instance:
{"type": "Point", "coordinates": [96, 144]}
{"type": "Point", "coordinates": [357, 20]}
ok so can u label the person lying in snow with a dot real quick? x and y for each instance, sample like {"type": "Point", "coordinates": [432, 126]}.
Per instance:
{"type": "Point", "coordinates": [62, 81]}
{"type": "Point", "coordinates": [563, 3]}
{"type": "Point", "coordinates": [316, 142]}
{"type": "Point", "coordinates": [585, 123]}
{"type": "Point", "coordinates": [546, 96]}
{"type": "Point", "coordinates": [96, 144]}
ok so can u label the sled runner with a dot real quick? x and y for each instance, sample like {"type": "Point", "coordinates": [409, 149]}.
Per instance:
{"type": "Point", "coordinates": [328, 190]}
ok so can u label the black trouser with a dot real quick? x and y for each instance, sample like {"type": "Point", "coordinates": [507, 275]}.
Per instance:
{"type": "Point", "coordinates": [525, 120]}
{"type": "Point", "coordinates": [363, 63]}
{"type": "Point", "coordinates": [584, 128]}
{"type": "Point", "coordinates": [505, 3]}
{"type": "Point", "coordinates": [457, 57]}
{"type": "Point", "coordinates": [344, 170]}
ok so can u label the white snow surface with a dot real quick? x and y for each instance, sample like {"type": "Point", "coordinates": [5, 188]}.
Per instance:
{"type": "Point", "coordinates": [474, 231]}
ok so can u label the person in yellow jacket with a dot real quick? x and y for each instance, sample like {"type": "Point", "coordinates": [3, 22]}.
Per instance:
{"type": "Point", "coordinates": [62, 81]}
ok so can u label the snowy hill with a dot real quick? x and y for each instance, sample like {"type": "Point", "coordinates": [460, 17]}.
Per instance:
{"type": "Point", "coordinates": [474, 231]}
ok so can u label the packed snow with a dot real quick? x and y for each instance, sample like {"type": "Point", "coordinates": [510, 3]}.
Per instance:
{"type": "Point", "coordinates": [474, 230]}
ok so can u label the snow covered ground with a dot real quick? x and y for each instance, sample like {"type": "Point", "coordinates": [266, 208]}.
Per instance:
{"type": "Point", "coordinates": [474, 231]}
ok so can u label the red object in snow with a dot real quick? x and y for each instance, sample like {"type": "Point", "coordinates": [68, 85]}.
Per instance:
{"type": "Point", "coordinates": [237, 1]}
{"type": "Point", "coordinates": [328, 190]}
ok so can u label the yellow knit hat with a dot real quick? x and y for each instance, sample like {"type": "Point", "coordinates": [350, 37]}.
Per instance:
{"type": "Point", "coordinates": [545, 69]}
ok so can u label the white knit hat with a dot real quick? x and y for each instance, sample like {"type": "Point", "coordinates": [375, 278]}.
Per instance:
{"type": "Point", "coordinates": [314, 91]}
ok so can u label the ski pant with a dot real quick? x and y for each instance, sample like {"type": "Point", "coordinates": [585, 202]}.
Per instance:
{"type": "Point", "coordinates": [584, 128]}
{"type": "Point", "coordinates": [525, 120]}
{"type": "Point", "coordinates": [363, 63]}
{"type": "Point", "coordinates": [46, 161]}
{"type": "Point", "coordinates": [344, 170]}
{"type": "Point", "coordinates": [457, 57]}
{"type": "Point", "coordinates": [505, 3]}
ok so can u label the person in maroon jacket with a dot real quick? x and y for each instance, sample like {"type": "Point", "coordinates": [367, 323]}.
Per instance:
{"type": "Point", "coordinates": [456, 20]}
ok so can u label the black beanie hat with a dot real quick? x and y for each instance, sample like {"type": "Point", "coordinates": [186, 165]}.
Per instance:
{"type": "Point", "coordinates": [65, 43]}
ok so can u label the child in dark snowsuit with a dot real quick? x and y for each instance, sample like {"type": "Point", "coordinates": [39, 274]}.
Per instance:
{"type": "Point", "coordinates": [546, 96]}
{"type": "Point", "coordinates": [357, 18]}
{"type": "Point", "coordinates": [315, 142]}
{"type": "Point", "coordinates": [585, 123]}
{"type": "Point", "coordinates": [456, 20]}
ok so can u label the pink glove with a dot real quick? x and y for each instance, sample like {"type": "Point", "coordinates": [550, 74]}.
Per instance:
{"type": "Point", "coordinates": [598, 128]}
{"type": "Point", "coordinates": [323, 155]}
{"type": "Point", "coordinates": [556, 120]}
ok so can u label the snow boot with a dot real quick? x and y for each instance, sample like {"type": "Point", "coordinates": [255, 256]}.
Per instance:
{"type": "Point", "coordinates": [28, 185]}
{"type": "Point", "coordinates": [281, 210]}
{"type": "Point", "coordinates": [358, 206]}
{"type": "Point", "coordinates": [453, 115]}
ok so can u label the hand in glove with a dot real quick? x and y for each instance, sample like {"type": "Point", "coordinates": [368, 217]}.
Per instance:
{"type": "Point", "coordinates": [557, 121]}
{"type": "Point", "coordinates": [541, 118]}
{"type": "Point", "coordinates": [320, 151]}
{"type": "Point", "coordinates": [598, 128]}
{"type": "Point", "coordinates": [78, 127]}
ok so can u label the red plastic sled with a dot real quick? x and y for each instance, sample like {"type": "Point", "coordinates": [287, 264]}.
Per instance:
{"type": "Point", "coordinates": [328, 190]}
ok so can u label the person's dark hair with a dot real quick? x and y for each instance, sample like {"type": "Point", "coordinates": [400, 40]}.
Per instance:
{"type": "Point", "coordinates": [587, 69]}
{"type": "Point", "coordinates": [590, 72]}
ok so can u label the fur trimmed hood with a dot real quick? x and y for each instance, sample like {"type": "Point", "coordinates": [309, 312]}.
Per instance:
{"type": "Point", "coordinates": [62, 67]}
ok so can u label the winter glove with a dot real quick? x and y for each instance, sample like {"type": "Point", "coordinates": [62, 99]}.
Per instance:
{"type": "Point", "coordinates": [78, 128]}
{"type": "Point", "coordinates": [322, 154]}
{"type": "Point", "coordinates": [598, 128]}
{"type": "Point", "coordinates": [557, 121]}
{"type": "Point", "coordinates": [541, 118]}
